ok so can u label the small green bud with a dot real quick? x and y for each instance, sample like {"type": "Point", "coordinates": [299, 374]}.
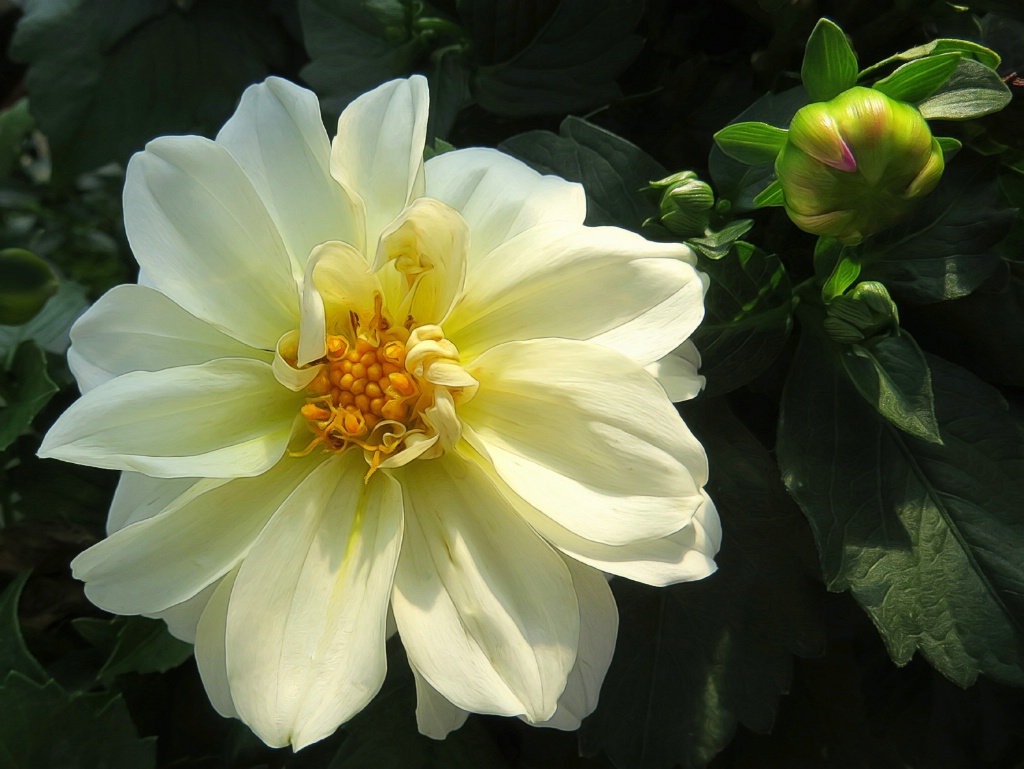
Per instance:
{"type": "Point", "coordinates": [856, 164]}
{"type": "Point", "coordinates": [26, 282]}
{"type": "Point", "coordinates": [686, 203]}
{"type": "Point", "coordinates": [865, 312]}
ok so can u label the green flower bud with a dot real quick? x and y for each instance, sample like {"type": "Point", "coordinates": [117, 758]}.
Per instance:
{"type": "Point", "coordinates": [26, 282]}
{"type": "Point", "coordinates": [863, 313]}
{"type": "Point", "coordinates": [686, 204]}
{"type": "Point", "coordinates": [856, 164]}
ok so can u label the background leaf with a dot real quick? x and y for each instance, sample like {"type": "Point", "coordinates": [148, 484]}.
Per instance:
{"type": "Point", "coordinates": [107, 76]}
{"type": "Point", "coordinates": [134, 645]}
{"type": "Point", "coordinates": [355, 45]}
{"type": "Point", "coordinates": [972, 91]}
{"type": "Point", "coordinates": [693, 660]}
{"type": "Point", "coordinates": [550, 56]}
{"type": "Point", "coordinates": [14, 655]}
{"type": "Point", "coordinates": [25, 388]}
{"type": "Point", "coordinates": [893, 376]}
{"type": "Point", "coordinates": [747, 317]}
{"type": "Point", "coordinates": [946, 248]}
{"type": "Point", "coordinates": [45, 727]}
{"type": "Point", "coordinates": [983, 332]}
{"type": "Point", "coordinates": [927, 538]}
{"type": "Point", "coordinates": [612, 170]}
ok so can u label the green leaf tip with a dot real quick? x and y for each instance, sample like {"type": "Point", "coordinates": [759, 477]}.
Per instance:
{"type": "Point", "coordinates": [751, 143]}
{"type": "Point", "coordinates": [830, 65]}
{"type": "Point", "coordinates": [919, 79]}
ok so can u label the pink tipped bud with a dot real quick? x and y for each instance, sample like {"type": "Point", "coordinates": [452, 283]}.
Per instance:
{"type": "Point", "coordinates": [856, 164]}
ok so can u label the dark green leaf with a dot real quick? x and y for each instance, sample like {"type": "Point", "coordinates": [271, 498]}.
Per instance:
{"type": "Point", "coordinates": [550, 56]}
{"type": "Point", "coordinates": [748, 315]}
{"type": "Point", "coordinates": [101, 633]}
{"type": "Point", "coordinates": [353, 46]}
{"type": "Point", "coordinates": [45, 728]}
{"type": "Point", "coordinates": [918, 79]}
{"type": "Point", "coordinates": [106, 76]}
{"type": "Point", "coordinates": [693, 660]}
{"type": "Point", "coordinates": [892, 375]}
{"type": "Point", "coordinates": [945, 249]}
{"type": "Point", "coordinates": [449, 94]}
{"type": "Point", "coordinates": [14, 655]}
{"type": "Point", "coordinates": [830, 65]}
{"type": "Point", "coordinates": [81, 497]}
{"type": "Point", "coordinates": [927, 537]}
{"type": "Point", "coordinates": [1006, 35]}
{"type": "Point", "coordinates": [134, 645]}
{"type": "Point", "coordinates": [972, 91]}
{"type": "Point", "coordinates": [612, 170]}
{"type": "Point", "coordinates": [751, 143]}
{"type": "Point", "coordinates": [983, 332]}
{"type": "Point", "coordinates": [738, 182]}
{"type": "Point", "coordinates": [25, 388]}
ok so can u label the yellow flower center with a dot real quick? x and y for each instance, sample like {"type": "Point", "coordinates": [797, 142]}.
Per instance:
{"type": "Point", "coordinates": [369, 357]}
{"type": "Point", "coordinates": [373, 389]}
{"type": "Point", "coordinates": [358, 387]}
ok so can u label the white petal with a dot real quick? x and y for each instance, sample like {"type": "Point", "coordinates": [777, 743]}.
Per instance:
{"type": "Point", "coordinates": [166, 559]}
{"type": "Point", "coordinates": [183, 619]}
{"type": "Point", "coordinates": [485, 609]}
{"type": "Point", "coordinates": [225, 418]}
{"type": "Point", "coordinates": [685, 556]}
{"type": "Point", "coordinates": [344, 284]}
{"type": "Point", "coordinates": [139, 496]}
{"type": "Point", "coordinates": [436, 717]}
{"type": "Point", "coordinates": [421, 260]}
{"type": "Point", "coordinates": [378, 151]}
{"type": "Point", "coordinates": [211, 648]}
{"type": "Point", "coordinates": [682, 556]}
{"type": "Point", "coordinates": [287, 374]}
{"type": "Point", "coordinates": [586, 436]}
{"type": "Point", "coordinates": [499, 196]}
{"type": "Point", "coordinates": [576, 282]}
{"type": "Point", "coordinates": [278, 138]}
{"type": "Point", "coordinates": [677, 372]}
{"type": "Point", "coordinates": [313, 325]}
{"type": "Point", "coordinates": [134, 328]}
{"type": "Point", "coordinates": [307, 620]}
{"type": "Point", "coordinates": [682, 311]}
{"type": "Point", "coordinates": [599, 625]}
{"type": "Point", "coordinates": [204, 238]}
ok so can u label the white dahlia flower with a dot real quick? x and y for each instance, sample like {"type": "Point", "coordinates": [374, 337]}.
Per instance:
{"type": "Point", "coordinates": [352, 385]}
